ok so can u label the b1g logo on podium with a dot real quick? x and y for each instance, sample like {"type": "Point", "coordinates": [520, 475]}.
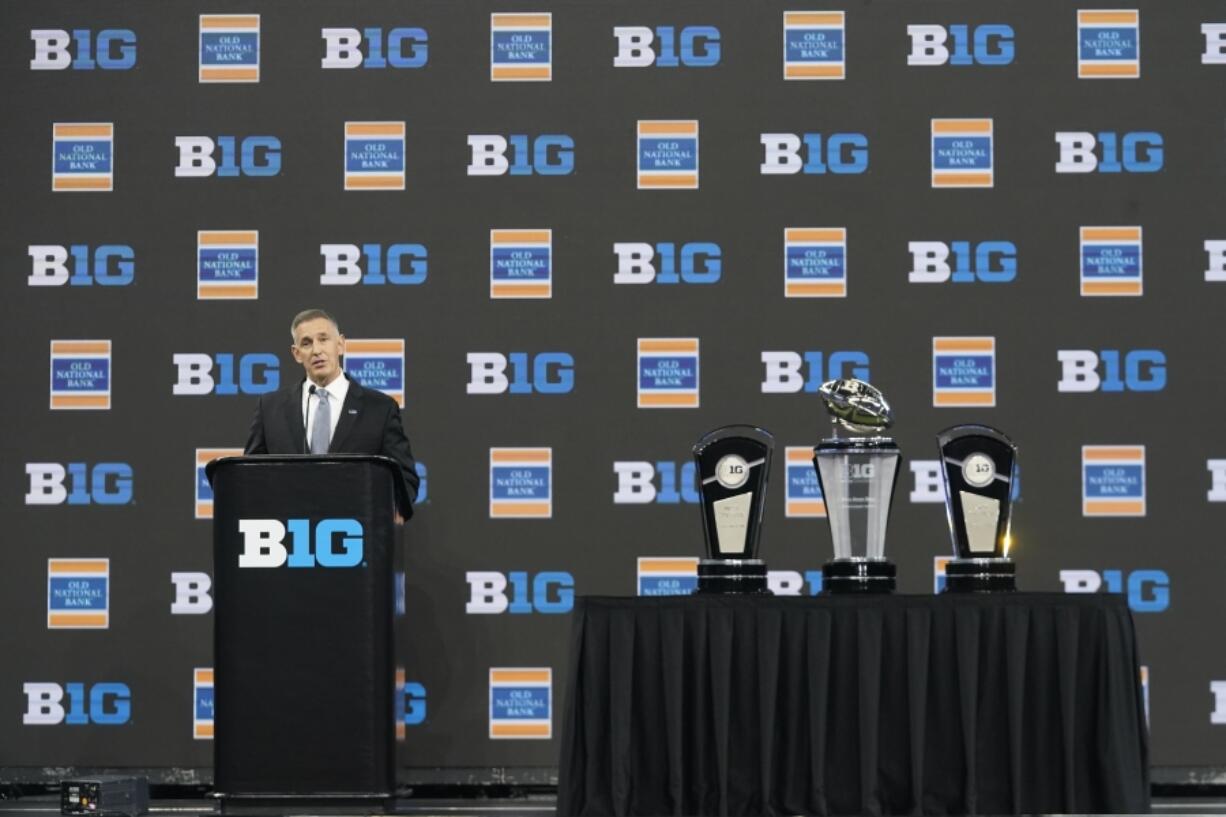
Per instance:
{"type": "Point", "coordinates": [82, 157]}
{"type": "Point", "coordinates": [378, 365]}
{"type": "Point", "coordinates": [202, 703]}
{"type": "Point", "coordinates": [815, 262]}
{"type": "Point", "coordinates": [521, 263]}
{"type": "Point", "coordinates": [1113, 480]}
{"type": "Point", "coordinates": [204, 490]}
{"type": "Point", "coordinates": [803, 495]}
{"type": "Point", "coordinates": [667, 575]}
{"type": "Point", "coordinates": [113, 265]}
{"type": "Point", "coordinates": [229, 48]}
{"type": "Point", "coordinates": [521, 703]}
{"type": "Point", "coordinates": [1111, 261]}
{"type": "Point", "coordinates": [964, 372]}
{"type": "Point", "coordinates": [112, 49]}
{"type": "Point", "coordinates": [521, 47]}
{"type": "Point", "coordinates": [78, 594]}
{"type": "Point", "coordinates": [374, 155]}
{"type": "Point", "coordinates": [1108, 44]}
{"type": "Point", "coordinates": [668, 373]}
{"type": "Point", "coordinates": [813, 45]}
{"type": "Point", "coordinates": [332, 543]}
{"type": "Point", "coordinates": [81, 374]}
{"type": "Point", "coordinates": [668, 155]}
{"type": "Point", "coordinates": [227, 265]}
{"type": "Point", "coordinates": [963, 153]}
{"type": "Point", "coordinates": [521, 483]}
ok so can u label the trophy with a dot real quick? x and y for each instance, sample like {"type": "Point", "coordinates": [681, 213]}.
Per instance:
{"type": "Point", "coordinates": [733, 464]}
{"type": "Point", "coordinates": [977, 467]}
{"type": "Point", "coordinates": [857, 475]}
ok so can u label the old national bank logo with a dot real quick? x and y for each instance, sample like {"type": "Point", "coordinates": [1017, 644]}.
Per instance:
{"type": "Point", "coordinates": [78, 594]}
{"type": "Point", "coordinates": [815, 262]}
{"type": "Point", "coordinates": [80, 374]}
{"type": "Point", "coordinates": [1113, 480]}
{"type": "Point", "coordinates": [229, 48]}
{"type": "Point", "coordinates": [813, 45]}
{"type": "Point", "coordinates": [963, 153]}
{"type": "Point", "coordinates": [378, 365]}
{"type": "Point", "coordinates": [521, 483]}
{"type": "Point", "coordinates": [202, 703]}
{"type": "Point", "coordinates": [82, 157]}
{"type": "Point", "coordinates": [521, 47]}
{"type": "Point", "coordinates": [521, 263]}
{"type": "Point", "coordinates": [521, 703]}
{"type": "Point", "coordinates": [803, 497]}
{"type": "Point", "coordinates": [1111, 261]}
{"type": "Point", "coordinates": [1108, 44]}
{"type": "Point", "coordinates": [227, 265]}
{"type": "Point", "coordinates": [668, 155]}
{"type": "Point", "coordinates": [668, 373]}
{"type": "Point", "coordinates": [667, 576]}
{"type": "Point", "coordinates": [204, 491]}
{"type": "Point", "coordinates": [374, 155]}
{"type": "Point", "coordinates": [964, 372]}
{"type": "Point", "coordinates": [938, 572]}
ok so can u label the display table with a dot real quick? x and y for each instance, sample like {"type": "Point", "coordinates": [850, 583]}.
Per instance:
{"type": "Point", "coordinates": [988, 704]}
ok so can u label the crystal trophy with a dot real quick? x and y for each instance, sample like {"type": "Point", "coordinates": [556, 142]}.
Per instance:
{"type": "Point", "coordinates": [977, 467]}
{"type": "Point", "coordinates": [857, 476]}
{"type": "Point", "coordinates": [733, 464]}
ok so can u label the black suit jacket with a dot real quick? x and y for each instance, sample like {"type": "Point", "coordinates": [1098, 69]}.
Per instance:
{"type": "Point", "coordinates": [369, 424]}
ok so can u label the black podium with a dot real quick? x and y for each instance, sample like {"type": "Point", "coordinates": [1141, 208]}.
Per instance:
{"type": "Point", "coordinates": [306, 561]}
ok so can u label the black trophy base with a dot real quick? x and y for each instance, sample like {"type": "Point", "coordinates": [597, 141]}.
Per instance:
{"type": "Point", "coordinates": [980, 576]}
{"type": "Point", "coordinates": [858, 576]}
{"type": "Point", "coordinates": [732, 576]}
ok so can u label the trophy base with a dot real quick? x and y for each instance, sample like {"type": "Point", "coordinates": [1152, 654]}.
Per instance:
{"type": "Point", "coordinates": [980, 576]}
{"type": "Point", "coordinates": [732, 576]}
{"type": "Point", "coordinates": [858, 576]}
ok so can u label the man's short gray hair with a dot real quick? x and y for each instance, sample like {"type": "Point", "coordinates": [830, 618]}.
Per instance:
{"type": "Point", "coordinates": [310, 315]}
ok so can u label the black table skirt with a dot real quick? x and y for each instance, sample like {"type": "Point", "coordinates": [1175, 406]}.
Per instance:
{"type": "Point", "coordinates": [993, 704]}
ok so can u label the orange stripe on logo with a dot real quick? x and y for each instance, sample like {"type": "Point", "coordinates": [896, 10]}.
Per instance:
{"type": "Point", "coordinates": [520, 455]}
{"type": "Point", "coordinates": [204, 676]}
{"type": "Point", "coordinates": [1110, 233]}
{"type": "Point", "coordinates": [76, 620]}
{"type": "Point", "coordinates": [374, 129]}
{"type": "Point", "coordinates": [962, 126]}
{"type": "Point", "coordinates": [504, 290]}
{"type": "Point", "coordinates": [1101, 508]}
{"type": "Point", "coordinates": [814, 72]}
{"type": "Point", "coordinates": [84, 129]}
{"type": "Point", "coordinates": [203, 730]}
{"type": "Point", "coordinates": [678, 400]}
{"type": "Point", "coordinates": [963, 344]}
{"type": "Point", "coordinates": [1108, 288]}
{"type": "Point", "coordinates": [670, 182]}
{"type": "Point", "coordinates": [816, 290]}
{"type": "Point", "coordinates": [1100, 17]}
{"type": "Point", "coordinates": [799, 454]}
{"type": "Point", "coordinates": [1117, 452]}
{"type": "Point", "coordinates": [78, 565]}
{"type": "Point", "coordinates": [670, 128]}
{"type": "Point", "coordinates": [807, 507]}
{"type": "Point", "coordinates": [374, 183]}
{"type": "Point", "coordinates": [229, 21]}
{"type": "Point", "coordinates": [370, 347]}
{"type": "Point", "coordinates": [668, 565]}
{"type": "Point", "coordinates": [211, 237]}
{"type": "Point", "coordinates": [230, 74]}
{"type": "Point", "coordinates": [506, 72]}
{"type": "Point", "coordinates": [521, 20]}
{"type": "Point", "coordinates": [964, 399]}
{"type": "Point", "coordinates": [520, 676]}
{"type": "Point", "coordinates": [813, 18]}
{"type": "Point", "coordinates": [81, 184]}
{"type": "Point", "coordinates": [962, 179]}
{"type": "Point", "coordinates": [222, 291]}
{"type": "Point", "coordinates": [520, 730]}
{"type": "Point", "coordinates": [1109, 71]}
{"type": "Point", "coordinates": [80, 347]}
{"type": "Point", "coordinates": [525, 509]}
{"type": "Point", "coordinates": [828, 234]}
{"type": "Point", "coordinates": [683, 345]}
{"type": "Point", "coordinates": [521, 236]}
{"type": "Point", "coordinates": [80, 401]}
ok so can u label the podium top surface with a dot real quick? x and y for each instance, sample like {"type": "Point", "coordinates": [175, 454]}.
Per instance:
{"type": "Point", "coordinates": [297, 459]}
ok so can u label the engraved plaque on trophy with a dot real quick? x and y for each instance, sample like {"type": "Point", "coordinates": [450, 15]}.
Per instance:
{"type": "Point", "coordinates": [977, 467]}
{"type": "Point", "coordinates": [733, 464]}
{"type": "Point", "coordinates": [857, 474]}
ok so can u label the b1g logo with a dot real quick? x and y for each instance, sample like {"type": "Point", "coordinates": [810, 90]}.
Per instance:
{"type": "Point", "coordinates": [378, 364]}
{"type": "Point", "coordinates": [229, 48]}
{"type": "Point", "coordinates": [202, 703]}
{"type": "Point", "coordinates": [962, 262]}
{"type": "Point", "coordinates": [111, 49]}
{"type": "Point", "coordinates": [664, 47]}
{"type": "Point", "coordinates": [1217, 485]}
{"type": "Point", "coordinates": [963, 153]}
{"type": "Point", "coordinates": [519, 592]}
{"type": "Point", "coordinates": [668, 373]}
{"type": "Point", "coordinates": [794, 582]}
{"type": "Point", "coordinates": [410, 708]}
{"type": "Point", "coordinates": [521, 264]}
{"type": "Point", "coordinates": [1148, 591]}
{"type": "Point", "coordinates": [81, 374]}
{"type": "Point", "coordinates": [521, 47]}
{"type": "Point", "coordinates": [1113, 480]}
{"type": "Point", "coordinates": [990, 44]}
{"type": "Point", "coordinates": [667, 155]}
{"type": "Point", "coordinates": [192, 593]}
{"type": "Point", "coordinates": [1216, 269]}
{"type": "Point", "coordinates": [815, 262]}
{"type": "Point", "coordinates": [79, 483]}
{"type": "Point", "coordinates": [373, 264]}
{"type": "Point", "coordinates": [964, 372]}
{"type": "Point", "coordinates": [521, 483]}
{"type": "Point", "coordinates": [928, 483]}
{"type": "Point", "coordinates": [113, 265]}
{"type": "Point", "coordinates": [813, 45]}
{"type": "Point", "coordinates": [667, 262]}
{"type": "Point", "coordinates": [254, 373]}
{"type": "Point", "coordinates": [1215, 43]}
{"type": "Point", "coordinates": [1108, 44]}
{"type": "Point", "coordinates": [1111, 261]}
{"type": "Point", "coordinates": [370, 48]}
{"type": "Point", "coordinates": [332, 543]}
{"type": "Point", "coordinates": [204, 490]}
{"type": "Point", "coordinates": [550, 154]}
{"type": "Point", "coordinates": [542, 373]}
{"type": "Point", "coordinates": [667, 576]}
{"type": "Point", "coordinates": [78, 594]}
{"type": "Point", "coordinates": [255, 156]}
{"type": "Point", "coordinates": [665, 483]}
{"type": "Point", "coordinates": [374, 155]}
{"type": "Point", "coordinates": [1135, 370]}
{"type": "Point", "coordinates": [227, 264]}
{"type": "Point", "coordinates": [786, 154]}
{"type": "Point", "coordinates": [82, 157]}
{"type": "Point", "coordinates": [787, 372]}
{"type": "Point", "coordinates": [521, 703]}
{"type": "Point", "coordinates": [1108, 152]}
{"type": "Point", "coordinates": [106, 703]}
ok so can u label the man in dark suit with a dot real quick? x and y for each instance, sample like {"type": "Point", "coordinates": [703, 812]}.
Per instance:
{"type": "Point", "coordinates": [329, 413]}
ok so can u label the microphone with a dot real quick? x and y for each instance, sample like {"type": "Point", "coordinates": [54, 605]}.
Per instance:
{"type": "Point", "coordinates": [306, 435]}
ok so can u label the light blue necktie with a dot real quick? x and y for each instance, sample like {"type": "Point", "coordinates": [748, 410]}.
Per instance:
{"type": "Point", "coordinates": [322, 431]}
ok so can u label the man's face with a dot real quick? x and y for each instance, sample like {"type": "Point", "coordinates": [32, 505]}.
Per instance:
{"type": "Point", "coordinates": [318, 346]}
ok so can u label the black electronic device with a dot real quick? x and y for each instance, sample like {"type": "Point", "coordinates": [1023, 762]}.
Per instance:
{"type": "Point", "coordinates": [112, 795]}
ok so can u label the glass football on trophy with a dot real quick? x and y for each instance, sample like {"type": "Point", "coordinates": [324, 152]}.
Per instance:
{"type": "Point", "coordinates": [857, 475]}
{"type": "Point", "coordinates": [977, 467]}
{"type": "Point", "coordinates": [733, 464]}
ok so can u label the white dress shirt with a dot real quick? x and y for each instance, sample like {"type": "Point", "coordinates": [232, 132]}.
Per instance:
{"type": "Point", "coordinates": [335, 391]}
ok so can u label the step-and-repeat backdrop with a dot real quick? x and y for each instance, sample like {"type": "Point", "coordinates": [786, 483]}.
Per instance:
{"type": "Point", "coordinates": [571, 237]}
